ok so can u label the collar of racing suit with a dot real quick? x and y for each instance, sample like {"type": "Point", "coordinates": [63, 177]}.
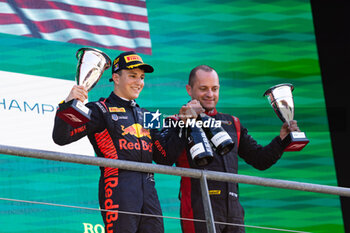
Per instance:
{"type": "Point", "coordinates": [123, 102]}
{"type": "Point", "coordinates": [211, 112]}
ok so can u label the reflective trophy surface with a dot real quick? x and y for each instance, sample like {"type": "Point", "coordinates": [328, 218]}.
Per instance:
{"type": "Point", "coordinates": [281, 99]}
{"type": "Point", "coordinates": [91, 65]}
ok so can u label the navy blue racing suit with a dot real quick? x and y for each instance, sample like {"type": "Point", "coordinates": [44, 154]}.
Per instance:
{"type": "Point", "coordinates": [116, 132]}
{"type": "Point", "coordinates": [223, 195]}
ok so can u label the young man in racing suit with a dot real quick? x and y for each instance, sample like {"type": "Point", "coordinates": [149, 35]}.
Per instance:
{"type": "Point", "coordinates": [116, 132]}
{"type": "Point", "coordinates": [204, 88]}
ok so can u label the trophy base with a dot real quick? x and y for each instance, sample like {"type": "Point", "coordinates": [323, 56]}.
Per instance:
{"type": "Point", "coordinates": [74, 113]}
{"type": "Point", "coordinates": [297, 141]}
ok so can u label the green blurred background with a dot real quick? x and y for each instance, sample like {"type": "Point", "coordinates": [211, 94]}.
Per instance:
{"type": "Point", "coordinates": [253, 45]}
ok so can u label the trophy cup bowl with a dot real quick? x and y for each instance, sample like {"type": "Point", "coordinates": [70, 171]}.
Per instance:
{"type": "Point", "coordinates": [281, 99]}
{"type": "Point", "coordinates": [91, 65]}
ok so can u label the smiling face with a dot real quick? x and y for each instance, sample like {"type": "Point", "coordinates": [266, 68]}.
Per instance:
{"type": "Point", "coordinates": [205, 88]}
{"type": "Point", "coordinates": [129, 83]}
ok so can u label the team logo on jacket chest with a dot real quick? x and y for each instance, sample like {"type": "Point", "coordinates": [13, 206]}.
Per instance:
{"type": "Point", "coordinates": [136, 130]}
{"type": "Point", "coordinates": [139, 145]}
{"type": "Point", "coordinates": [226, 122]}
{"type": "Point", "coordinates": [116, 117]}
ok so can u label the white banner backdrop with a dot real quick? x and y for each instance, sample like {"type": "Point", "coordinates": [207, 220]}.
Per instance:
{"type": "Point", "coordinates": [27, 110]}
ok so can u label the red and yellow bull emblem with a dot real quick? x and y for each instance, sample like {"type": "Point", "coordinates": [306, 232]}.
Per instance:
{"type": "Point", "coordinates": [133, 57]}
{"type": "Point", "coordinates": [136, 130]}
{"type": "Point", "coordinates": [116, 109]}
{"type": "Point", "coordinates": [116, 61]}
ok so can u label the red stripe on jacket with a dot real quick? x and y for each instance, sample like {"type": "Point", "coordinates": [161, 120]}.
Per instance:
{"type": "Point", "coordinates": [186, 203]}
{"type": "Point", "coordinates": [107, 148]}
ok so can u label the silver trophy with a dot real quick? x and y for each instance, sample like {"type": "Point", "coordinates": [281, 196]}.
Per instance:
{"type": "Point", "coordinates": [281, 99]}
{"type": "Point", "coordinates": [91, 65]}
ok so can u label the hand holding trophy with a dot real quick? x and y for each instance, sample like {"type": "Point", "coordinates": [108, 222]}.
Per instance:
{"type": "Point", "coordinates": [281, 100]}
{"type": "Point", "coordinates": [91, 65]}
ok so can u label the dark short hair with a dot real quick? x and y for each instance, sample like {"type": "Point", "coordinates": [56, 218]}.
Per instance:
{"type": "Point", "coordinates": [119, 72]}
{"type": "Point", "coordinates": [193, 72]}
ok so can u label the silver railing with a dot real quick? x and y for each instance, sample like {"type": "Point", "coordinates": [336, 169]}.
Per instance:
{"type": "Point", "coordinates": [203, 175]}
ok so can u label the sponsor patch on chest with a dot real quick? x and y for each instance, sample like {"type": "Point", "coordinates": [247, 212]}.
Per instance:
{"type": "Point", "coordinates": [116, 109]}
{"type": "Point", "coordinates": [214, 192]}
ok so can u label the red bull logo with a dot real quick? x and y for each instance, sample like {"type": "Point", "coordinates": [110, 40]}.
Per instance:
{"type": "Point", "coordinates": [112, 215]}
{"type": "Point", "coordinates": [136, 130]}
{"type": "Point", "coordinates": [142, 145]}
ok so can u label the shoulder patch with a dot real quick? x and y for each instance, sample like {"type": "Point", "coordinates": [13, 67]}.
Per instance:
{"type": "Point", "coordinates": [103, 109]}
